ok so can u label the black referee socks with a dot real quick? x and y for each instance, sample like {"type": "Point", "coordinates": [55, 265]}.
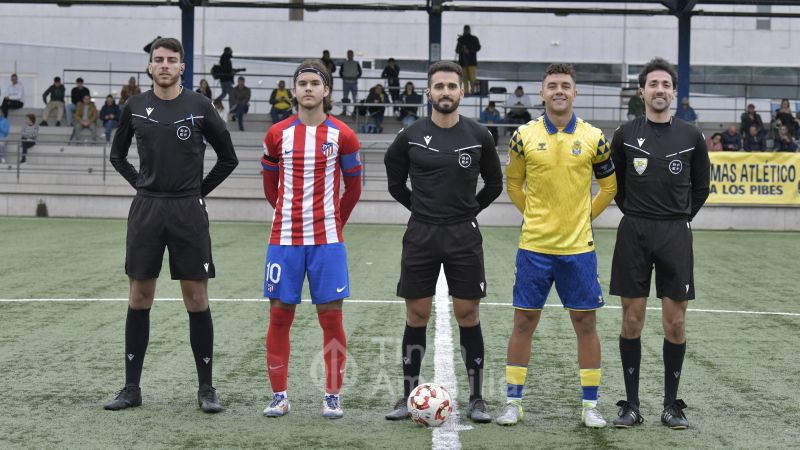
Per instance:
{"type": "Point", "coordinates": [137, 335]}
{"type": "Point", "coordinates": [630, 351]}
{"type": "Point", "coordinates": [472, 354]}
{"type": "Point", "coordinates": [413, 349]}
{"type": "Point", "coordinates": [201, 336]}
{"type": "Point", "coordinates": [673, 363]}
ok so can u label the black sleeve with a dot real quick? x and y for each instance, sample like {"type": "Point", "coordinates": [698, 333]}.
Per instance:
{"type": "Point", "coordinates": [46, 93]}
{"type": "Point", "coordinates": [397, 164]}
{"type": "Point", "coordinates": [272, 97]}
{"type": "Point", "coordinates": [384, 74]}
{"type": "Point", "coordinates": [216, 133]}
{"type": "Point", "coordinates": [491, 173]}
{"type": "Point", "coordinates": [701, 175]}
{"type": "Point", "coordinates": [121, 145]}
{"type": "Point", "coordinates": [620, 166]}
{"type": "Point", "coordinates": [359, 69]}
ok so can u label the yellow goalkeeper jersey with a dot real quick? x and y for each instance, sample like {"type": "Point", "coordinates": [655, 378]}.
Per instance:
{"type": "Point", "coordinates": [556, 168]}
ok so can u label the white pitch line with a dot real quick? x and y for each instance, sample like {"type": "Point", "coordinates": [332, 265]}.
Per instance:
{"type": "Point", "coordinates": [396, 302]}
{"type": "Point", "coordinates": [445, 436]}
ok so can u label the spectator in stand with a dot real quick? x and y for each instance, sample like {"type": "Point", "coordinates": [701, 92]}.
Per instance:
{"type": "Point", "coordinates": [4, 129]}
{"type": "Point", "coordinates": [76, 96]}
{"type": "Point", "coordinates": [714, 143]}
{"type": "Point", "coordinates": [350, 71]}
{"type": "Point", "coordinates": [518, 104]}
{"type": "Point", "coordinates": [377, 95]}
{"type": "Point", "coordinates": [129, 90]}
{"type": "Point", "coordinates": [15, 92]}
{"type": "Point", "coordinates": [57, 92]}
{"type": "Point", "coordinates": [467, 47]}
{"type": "Point", "coordinates": [731, 139]}
{"type": "Point", "coordinates": [220, 108]}
{"type": "Point", "coordinates": [686, 112]}
{"type": "Point", "coordinates": [783, 116]}
{"type": "Point", "coordinates": [204, 88]}
{"type": "Point", "coordinates": [392, 75]}
{"type": "Point", "coordinates": [635, 106]}
{"type": "Point", "coordinates": [750, 117]}
{"type": "Point", "coordinates": [30, 131]}
{"type": "Point", "coordinates": [326, 59]}
{"type": "Point", "coordinates": [755, 140]}
{"type": "Point", "coordinates": [239, 102]}
{"type": "Point", "coordinates": [489, 116]}
{"type": "Point", "coordinates": [109, 114]}
{"type": "Point", "coordinates": [785, 142]}
{"type": "Point", "coordinates": [409, 114]}
{"type": "Point", "coordinates": [226, 72]}
{"type": "Point", "coordinates": [85, 118]}
{"type": "Point", "coordinates": [281, 101]}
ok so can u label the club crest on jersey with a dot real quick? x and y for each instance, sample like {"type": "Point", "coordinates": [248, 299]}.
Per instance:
{"type": "Point", "coordinates": [542, 146]}
{"type": "Point", "coordinates": [184, 133]}
{"type": "Point", "coordinates": [328, 149]}
{"type": "Point", "coordinates": [576, 149]}
{"type": "Point", "coordinates": [675, 166]}
{"type": "Point", "coordinates": [640, 165]}
{"type": "Point", "coordinates": [464, 160]}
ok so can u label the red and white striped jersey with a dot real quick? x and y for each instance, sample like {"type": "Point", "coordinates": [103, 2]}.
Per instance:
{"type": "Point", "coordinates": [309, 161]}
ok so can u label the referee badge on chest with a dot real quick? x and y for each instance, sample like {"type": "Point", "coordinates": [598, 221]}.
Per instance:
{"type": "Point", "coordinates": [184, 132]}
{"type": "Point", "coordinates": [640, 165]}
{"type": "Point", "coordinates": [464, 160]}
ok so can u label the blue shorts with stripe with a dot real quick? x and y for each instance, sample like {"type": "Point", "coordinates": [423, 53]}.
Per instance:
{"type": "Point", "coordinates": [287, 266]}
{"type": "Point", "coordinates": [575, 277]}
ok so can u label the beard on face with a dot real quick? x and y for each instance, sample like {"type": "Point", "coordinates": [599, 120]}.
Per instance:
{"type": "Point", "coordinates": [445, 109]}
{"type": "Point", "coordinates": [666, 106]}
{"type": "Point", "coordinates": [166, 84]}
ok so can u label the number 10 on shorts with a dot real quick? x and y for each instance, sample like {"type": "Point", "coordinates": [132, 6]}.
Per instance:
{"type": "Point", "coordinates": [273, 275]}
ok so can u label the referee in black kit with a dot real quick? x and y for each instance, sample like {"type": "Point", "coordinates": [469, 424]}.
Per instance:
{"type": "Point", "coordinates": [443, 155]}
{"type": "Point", "coordinates": [663, 175]}
{"type": "Point", "coordinates": [171, 125]}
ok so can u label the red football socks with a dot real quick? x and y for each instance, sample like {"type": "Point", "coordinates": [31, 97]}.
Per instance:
{"type": "Point", "coordinates": [335, 349]}
{"type": "Point", "coordinates": [280, 322]}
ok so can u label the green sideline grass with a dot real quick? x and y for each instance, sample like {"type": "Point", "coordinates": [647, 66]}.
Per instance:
{"type": "Point", "coordinates": [61, 360]}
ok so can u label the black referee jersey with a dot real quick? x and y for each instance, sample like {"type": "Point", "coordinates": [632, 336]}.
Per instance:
{"type": "Point", "coordinates": [444, 165]}
{"type": "Point", "coordinates": [171, 139]}
{"type": "Point", "coordinates": [663, 170]}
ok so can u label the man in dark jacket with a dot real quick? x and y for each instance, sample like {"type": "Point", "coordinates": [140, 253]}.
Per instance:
{"type": "Point", "coordinates": [226, 72]}
{"type": "Point", "coordinates": [56, 91]}
{"type": "Point", "coordinates": [467, 48]}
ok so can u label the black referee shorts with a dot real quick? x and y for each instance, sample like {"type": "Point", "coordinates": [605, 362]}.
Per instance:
{"type": "Point", "coordinates": [426, 247]}
{"type": "Point", "coordinates": [643, 244]}
{"type": "Point", "coordinates": [179, 224]}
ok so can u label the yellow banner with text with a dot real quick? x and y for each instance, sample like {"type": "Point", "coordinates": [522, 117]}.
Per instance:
{"type": "Point", "coordinates": [757, 178]}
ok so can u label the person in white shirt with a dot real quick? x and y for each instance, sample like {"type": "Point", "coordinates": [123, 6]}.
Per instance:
{"type": "Point", "coordinates": [14, 94]}
{"type": "Point", "coordinates": [517, 107]}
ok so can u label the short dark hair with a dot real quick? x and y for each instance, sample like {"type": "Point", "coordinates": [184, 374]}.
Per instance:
{"type": "Point", "coordinates": [658, 63]}
{"type": "Point", "coordinates": [57, 79]}
{"type": "Point", "coordinates": [559, 68]}
{"type": "Point", "coordinates": [445, 66]}
{"type": "Point", "coordinates": [240, 79]}
{"type": "Point", "coordinates": [317, 64]}
{"type": "Point", "coordinates": [168, 43]}
{"type": "Point", "coordinates": [79, 80]}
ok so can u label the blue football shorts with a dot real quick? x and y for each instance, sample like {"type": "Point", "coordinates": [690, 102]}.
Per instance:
{"type": "Point", "coordinates": [287, 266]}
{"type": "Point", "coordinates": [575, 277]}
